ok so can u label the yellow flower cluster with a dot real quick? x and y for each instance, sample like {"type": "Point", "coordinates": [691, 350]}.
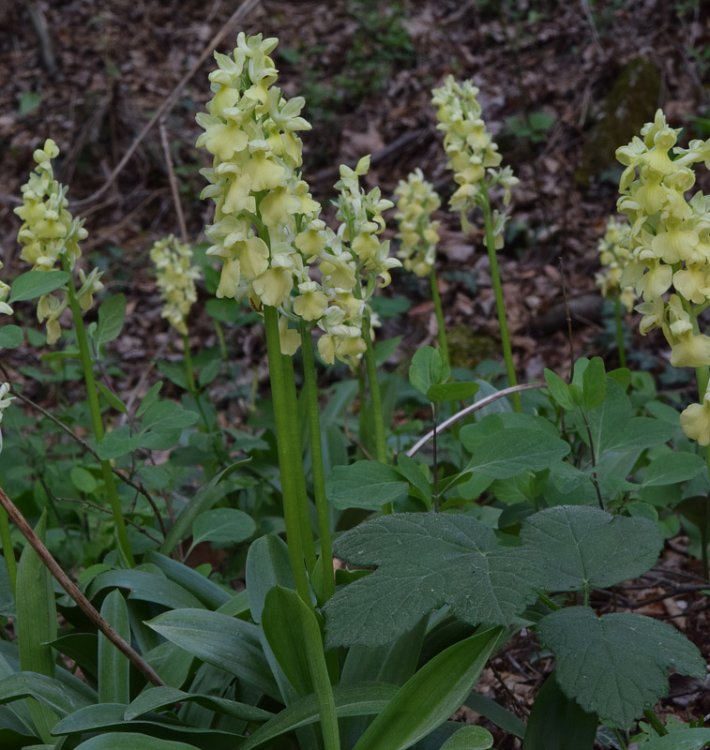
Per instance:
{"type": "Point", "coordinates": [614, 255]}
{"type": "Point", "coordinates": [5, 308]}
{"type": "Point", "coordinates": [352, 264]}
{"type": "Point", "coordinates": [262, 205]}
{"type": "Point", "coordinates": [176, 280]}
{"type": "Point", "coordinates": [5, 401]}
{"type": "Point", "coordinates": [418, 234]}
{"type": "Point", "coordinates": [50, 234]}
{"type": "Point", "coordinates": [473, 155]}
{"type": "Point", "coordinates": [670, 247]}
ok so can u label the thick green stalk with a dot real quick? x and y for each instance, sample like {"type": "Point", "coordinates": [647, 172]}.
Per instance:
{"type": "Point", "coordinates": [619, 320]}
{"type": "Point", "coordinates": [97, 425]}
{"type": "Point", "coordinates": [439, 312]}
{"type": "Point", "coordinates": [309, 548]}
{"type": "Point", "coordinates": [498, 291]}
{"type": "Point", "coordinates": [375, 396]}
{"type": "Point", "coordinates": [287, 456]}
{"type": "Point", "coordinates": [7, 550]}
{"type": "Point", "coordinates": [310, 393]}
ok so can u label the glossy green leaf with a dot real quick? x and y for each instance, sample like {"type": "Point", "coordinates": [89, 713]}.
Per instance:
{"type": "Point", "coordinates": [559, 390]}
{"type": "Point", "coordinates": [593, 384]}
{"type": "Point", "coordinates": [452, 391]}
{"type": "Point", "coordinates": [211, 594]}
{"type": "Point", "coordinates": [112, 313]}
{"type": "Point", "coordinates": [11, 337]}
{"type": "Point", "coordinates": [431, 695]}
{"type": "Point", "coordinates": [49, 691]}
{"type": "Point", "coordinates": [427, 368]}
{"type": "Point", "coordinates": [155, 698]}
{"type": "Point", "coordinates": [355, 700]}
{"type": "Point", "coordinates": [294, 636]}
{"type": "Point", "coordinates": [34, 284]}
{"type": "Point", "coordinates": [672, 468]}
{"type": "Point", "coordinates": [111, 398]}
{"type": "Point", "coordinates": [225, 642]}
{"type": "Point", "coordinates": [267, 566]}
{"type": "Point", "coordinates": [223, 526]}
{"type": "Point", "coordinates": [146, 586]}
{"type": "Point", "coordinates": [131, 741]}
{"type": "Point", "coordinates": [114, 667]}
{"type": "Point", "coordinates": [469, 738]}
{"type": "Point", "coordinates": [365, 484]}
{"type": "Point", "coordinates": [557, 722]}
{"type": "Point", "coordinates": [426, 560]}
{"type": "Point", "coordinates": [616, 665]}
{"type": "Point", "coordinates": [584, 547]}
{"type": "Point", "coordinates": [493, 711]}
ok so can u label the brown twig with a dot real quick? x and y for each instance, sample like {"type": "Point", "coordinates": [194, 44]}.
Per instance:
{"type": "Point", "coordinates": [246, 7]}
{"type": "Point", "coordinates": [173, 183]}
{"type": "Point", "coordinates": [75, 593]}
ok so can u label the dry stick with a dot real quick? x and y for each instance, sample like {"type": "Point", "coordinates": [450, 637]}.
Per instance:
{"type": "Point", "coordinates": [75, 593]}
{"type": "Point", "coordinates": [173, 183]}
{"type": "Point", "coordinates": [469, 410]}
{"type": "Point", "coordinates": [169, 103]}
{"type": "Point", "coordinates": [137, 487]}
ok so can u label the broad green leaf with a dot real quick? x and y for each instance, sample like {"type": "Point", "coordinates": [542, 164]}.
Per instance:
{"type": "Point", "coordinates": [10, 337]}
{"type": "Point", "coordinates": [117, 443]}
{"type": "Point", "coordinates": [225, 642]}
{"type": "Point", "coordinates": [146, 586]}
{"type": "Point", "coordinates": [583, 547]}
{"type": "Point", "coordinates": [112, 313]}
{"type": "Point", "coordinates": [452, 391]}
{"type": "Point", "coordinates": [593, 384]}
{"type": "Point", "coordinates": [294, 635]}
{"type": "Point", "coordinates": [494, 712]}
{"type": "Point", "coordinates": [469, 738]}
{"type": "Point", "coordinates": [679, 739]}
{"type": "Point", "coordinates": [559, 390]}
{"type": "Point", "coordinates": [639, 433]}
{"type": "Point", "coordinates": [427, 369]}
{"type": "Point", "coordinates": [156, 698]}
{"type": "Point", "coordinates": [150, 398]}
{"type": "Point", "coordinates": [365, 484]}
{"type": "Point", "coordinates": [14, 732]}
{"type": "Point", "coordinates": [114, 667]}
{"type": "Point", "coordinates": [431, 695]}
{"type": "Point", "coordinates": [267, 566]}
{"type": "Point", "coordinates": [426, 560]}
{"type": "Point", "coordinates": [224, 526]}
{"type": "Point", "coordinates": [211, 594]}
{"type": "Point", "coordinates": [672, 468]}
{"type": "Point", "coordinates": [111, 398]}
{"type": "Point", "coordinates": [34, 284]}
{"type": "Point", "coordinates": [131, 741]}
{"type": "Point", "coordinates": [616, 665]}
{"type": "Point", "coordinates": [503, 446]}
{"type": "Point", "coordinates": [355, 700]}
{"type": "Point", "coordinates": [36, 625]}
{"type": "Point", "coordinates": [49, 691]}
{"type": "Point", "coordinates": [83, 480]}
{"type": "Point", "coordinates": [416, 474]}
{"type": "Point", "coordinates": [162, 424]}
{"type": "Point", "coordinates": [557, 722]}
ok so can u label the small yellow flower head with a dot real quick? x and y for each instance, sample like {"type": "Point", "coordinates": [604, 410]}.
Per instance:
{"type": "Point", "coordinates": [176, 280]}
{"type": "Point", "coordinates": [418, 234]}
{"type": "Point", "coordinates": [614, 256]}
{"type": "Point", "coordinates": [473, 155]}
{"type": "Point", "coordinates": [48, 230]}
{"type": "Point", "coordinates": [695, 421]}
{"type": "Point", "coordinates": [49, 309]}
{"type": "Point", "coordinates": [5, 309]}
{"type": "Point", "coordinates": [5, 401]}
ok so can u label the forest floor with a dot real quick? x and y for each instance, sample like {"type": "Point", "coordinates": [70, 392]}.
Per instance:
{"type": "Point", "coordinates": [562, 84]}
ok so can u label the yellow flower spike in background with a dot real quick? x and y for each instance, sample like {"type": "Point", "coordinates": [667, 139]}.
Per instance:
{"type": "Point", "coordinates": [418, 233]}
{"type": "Point", "coordinates": [50, 236]}
{"type": "Point", "coordinates": [176, 280]}
{"type": "Point", "coordinates": [614, 256]}
{"type": "Point", "coordinates": [5, 308]}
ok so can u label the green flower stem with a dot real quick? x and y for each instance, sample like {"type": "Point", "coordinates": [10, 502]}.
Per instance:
{"type": "Point", "coordinates": [7, 550]}
{"type": "Point", "coordinates": [309, 549]}
{"type": "Point", "coordinates": [287, 456]}
{"type": "Point", "coordinates": [498, 290]}
{"type": "Point", "coordinates": [310, 394]}
{"type": "Point", "coordinates": [191, 384]}
{"type": "Point", "coordinates": [375, 395]}
{"type": "Point", "coordinates": [220, 338]}
{"type": "Point", "coordinates": [619, 320]}
{"type": "Point", "coordinates": [96, 420]}
{"type": "Point", "coordinates": [439, 311]}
